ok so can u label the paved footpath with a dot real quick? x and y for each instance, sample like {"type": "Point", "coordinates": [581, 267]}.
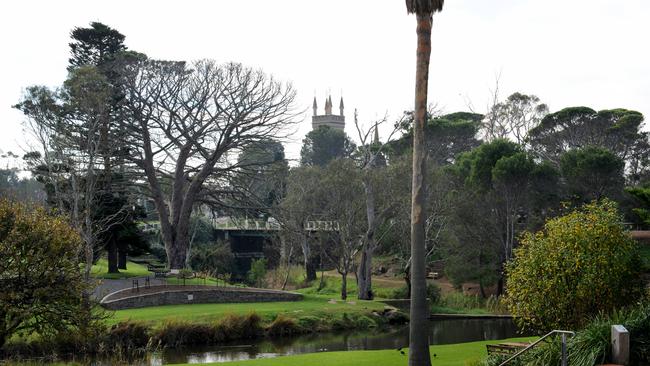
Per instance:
{"type": "Point", "coordinates": [106, 287]}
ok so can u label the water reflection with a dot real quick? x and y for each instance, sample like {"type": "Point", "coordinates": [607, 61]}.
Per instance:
{"type": "Point", "coordinates": [441, 332]}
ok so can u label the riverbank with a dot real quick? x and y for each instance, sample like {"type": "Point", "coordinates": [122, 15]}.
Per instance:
{"type": "Point", "coordinates": [459, 354]}
{"type": "Point", "coordinates": [311, 305]}
{"type": "Point", "coordinates": [144, 329]}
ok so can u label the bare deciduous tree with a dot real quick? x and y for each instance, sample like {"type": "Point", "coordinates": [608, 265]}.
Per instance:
{"type": "Point", "coordinates": [189, 123]}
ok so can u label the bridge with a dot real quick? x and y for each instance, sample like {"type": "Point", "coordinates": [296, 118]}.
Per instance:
{"type": "Point", "coordinates": [247, 237]}
{"type": "Point", "coordinates": [272, 225]}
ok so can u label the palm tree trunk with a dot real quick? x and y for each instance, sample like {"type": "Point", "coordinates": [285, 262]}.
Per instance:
{"type": "Point", "coordinates": [418, 328]}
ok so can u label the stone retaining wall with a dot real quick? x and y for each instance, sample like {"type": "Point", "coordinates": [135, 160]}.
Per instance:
{"type": "Point", "coordinates": [197, 296]}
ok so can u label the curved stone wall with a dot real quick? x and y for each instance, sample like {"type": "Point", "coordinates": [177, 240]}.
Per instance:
{"type": "Point", "coordinates": [176, 295]}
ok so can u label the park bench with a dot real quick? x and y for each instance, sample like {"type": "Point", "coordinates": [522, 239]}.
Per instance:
{"type": "Point", "coordinates": [158, 271]}
{"type": "Point", "coordinates": [506, 348]}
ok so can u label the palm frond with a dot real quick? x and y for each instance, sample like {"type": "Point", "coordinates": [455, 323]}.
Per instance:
{"type": "Point", "coordinates": [424, 6]}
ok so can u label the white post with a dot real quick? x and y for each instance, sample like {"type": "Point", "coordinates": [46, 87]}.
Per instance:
{"type": "Point", "coordinates": [620, 345]}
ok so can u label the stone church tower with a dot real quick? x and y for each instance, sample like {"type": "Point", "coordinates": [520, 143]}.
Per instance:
{"type": "Point", "coordinates": [328, 119]}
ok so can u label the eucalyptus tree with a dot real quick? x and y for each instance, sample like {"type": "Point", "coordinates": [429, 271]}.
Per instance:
{"type": "Point", "coordinates": [377, 187]}
{"type": "Point", "coordinates": [514, 118]}
{"type": "Point", "coordinates": [498, 186]}
{"type": "Point", "coordinates": [298, 206]}
{"type": "Point", "coordinates": [418, 343]}
{"type": "Point", "coordinates": [341, 194]}
{"type": "Point", "coordinates": [187, 124]}
{"type": "Point", "coordinates": [68, 123]}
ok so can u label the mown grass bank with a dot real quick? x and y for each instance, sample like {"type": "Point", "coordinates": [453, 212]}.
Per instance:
{"type": "Point", "coordinates": [460, 354]}
{"type": "Point", "coordinates": [311, 305]}
{"type": "Point", "coordinates": [210, 324]}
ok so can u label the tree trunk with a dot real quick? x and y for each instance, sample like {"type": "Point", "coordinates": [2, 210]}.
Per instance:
{"type": "Point", "coordinates": [121, 256]}
{"type": "Point", "coordinates": [418, 325]}
{"type": "Point", "coordinates": [310, 268]}
{"type": "Point", "coordinates": [177, 252]}
{"type": "Point", "coordinates": [344, 286]}
{"type": "Point", "coordinates": [407, 279]}
{"type": "Point", "coordinates": [112, 257]}
{"type": "Point", "coordinates": [364, 272]}
{"type": "Point", "coordinates": [321, 284]}
{"type": "Point", "coordinates": [4, 333]}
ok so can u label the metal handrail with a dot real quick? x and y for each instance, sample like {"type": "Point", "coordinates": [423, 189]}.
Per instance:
{"type": "Point", "coordinates": [564, 355]}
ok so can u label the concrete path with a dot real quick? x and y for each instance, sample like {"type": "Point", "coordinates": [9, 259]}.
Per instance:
{"type": "Point", "coordinates": [106, 287]}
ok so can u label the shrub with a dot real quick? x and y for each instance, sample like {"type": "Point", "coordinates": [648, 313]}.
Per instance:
{"type": "Point", "coordinates": [365, 322]}
{"type": "Point", "coordinates": [591, 345]}
{"type": "Point", "coordinates": [128, 336]}
{"type": "Point", "coordinates": [582, 264]}
{"type": "Point", "coordinates": [40, 279]}
{"type": "Point", "coordinates": [212, 258]}
{"type": "Point", "coordinates": [234, 326]}
{"type": "Point", "coordinates": [458, 300]}
{"type": "Point", "coordinates": [176, 333]}
{"type": "Point", "coordinates": [257, 272]}
{"type": "Point", "coordinates": [283, 326]}
{"type": "Point", "coordinates": [185, 274]}
{"type": "Point", "coordinates": [309, 322]}
{"type": "Point", "coordinates": [433, 293]}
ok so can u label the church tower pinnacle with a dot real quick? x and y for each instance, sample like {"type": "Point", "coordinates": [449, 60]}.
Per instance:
{"type": "Point", "coordinates": [328, 119]}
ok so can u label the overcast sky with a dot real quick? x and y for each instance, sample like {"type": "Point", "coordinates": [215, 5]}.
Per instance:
{"type": "Point", "coordinates": [567, 52]}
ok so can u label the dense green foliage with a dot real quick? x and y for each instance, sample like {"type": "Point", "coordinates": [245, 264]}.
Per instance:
{"type": "Point", "coordinates": [257, 272]}
{"type": "Point", "coordinates": [323, 145]}
{"type": "Point", "coordinates": [40, 275]}
{"type": "Point", "coordinates": [581, 264]}
{"type": "Point", "coordinates": [592, 173]}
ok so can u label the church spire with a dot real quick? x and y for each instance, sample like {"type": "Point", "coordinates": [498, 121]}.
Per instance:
{"type": "Point", "coordinates": [315, 107]}
{"type": "Point", "coordinates": [328, 106]}
{"type": "Point", "coordinates": [341, 106]}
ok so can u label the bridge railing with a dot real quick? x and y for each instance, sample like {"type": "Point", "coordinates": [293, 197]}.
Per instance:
{"type": "Point", "coordinates": [255, 225]}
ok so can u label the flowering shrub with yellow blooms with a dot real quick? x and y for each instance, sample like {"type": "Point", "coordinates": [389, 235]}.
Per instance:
{"type": "Point", "coordinates": [580, 265]}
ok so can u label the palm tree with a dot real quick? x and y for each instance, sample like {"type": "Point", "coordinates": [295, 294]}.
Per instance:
{"type": "Point", "coordinates": [418, 331]}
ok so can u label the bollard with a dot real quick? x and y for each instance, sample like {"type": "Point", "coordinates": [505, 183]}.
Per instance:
{"type": "Point", "coordinates": [620, 345]}
{"type": "Point", "coordinates": [564, 355]}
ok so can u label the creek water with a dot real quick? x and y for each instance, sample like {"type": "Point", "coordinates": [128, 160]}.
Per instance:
{"type": "Point", "coordinates": [444, 331]}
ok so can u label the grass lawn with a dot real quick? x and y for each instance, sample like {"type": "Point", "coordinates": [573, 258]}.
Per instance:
{"type": "Point", "coordinates": [311, 305]}
{"type": "Point", "coordinates": [100, 270]}
{"type": "Point", "coordinates": [460, 354]}
{"type": "Point", "coordinates": [381, 287]}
